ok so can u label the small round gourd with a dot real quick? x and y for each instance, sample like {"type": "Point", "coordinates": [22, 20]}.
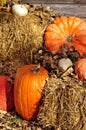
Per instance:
{"type": "Point", "coordinates": [19, 9]}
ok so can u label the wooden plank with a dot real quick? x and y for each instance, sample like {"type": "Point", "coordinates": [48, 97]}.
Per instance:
{"type": "Point", "coordinates": [54, 1]}
{"type": "Point", "coordinates": [47, 1]}
{"type": "Point", "coordinates": [68, 9]}
{"type": "Point", "coordinates": [80, 1]}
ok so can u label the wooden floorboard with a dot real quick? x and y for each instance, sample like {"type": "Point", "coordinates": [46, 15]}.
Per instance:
{"type": "Point", "coordinates": [70, 9]}
{"type": "Point", "coordinates": [55, 1]}
{"type": "Point", "coordinates": [48, 1]}
{"type": "Point", "coordinates": [65, 7]}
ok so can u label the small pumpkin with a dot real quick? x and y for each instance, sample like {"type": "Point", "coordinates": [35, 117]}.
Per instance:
{"type": "Point", "coordinates": [66, 30]}
{"type": "Point", "coordinates": [6, 94]}
{"type": "Point", "coordinates": [80, 68]}
{"type": "Point", "coordinates": [28, 85]}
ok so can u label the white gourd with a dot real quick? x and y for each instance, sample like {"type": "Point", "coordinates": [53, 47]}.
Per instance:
{"type": "Point", "coordinates": [19, 9]}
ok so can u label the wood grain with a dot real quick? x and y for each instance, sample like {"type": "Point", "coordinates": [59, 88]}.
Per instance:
{"type": "Point", "coordinates": [55, 1]}
{"type": "Point", "coordinates": [80, 1]}
{"type": "Point", "coordinates": [70, 9]}
{"type": "Point", "coordinates": [64, 7]}
{"type": "Point", "coordinates": [48, 1]}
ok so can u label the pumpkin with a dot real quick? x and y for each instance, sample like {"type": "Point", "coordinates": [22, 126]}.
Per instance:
{"type": "Point", "coordinates": [66, 30]}
{"type": "Point", "coordinates": [28, 85]}
{"type": "Point", "coordinates": [80, 68]}
{"type": "Point", "coordinates": [6, 94]}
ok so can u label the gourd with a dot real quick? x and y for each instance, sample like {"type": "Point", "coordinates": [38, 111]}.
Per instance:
{"type": "Point", "coordinates": [66, 30]}
{"type": "Point", "coordinates": [28, 86]}
{"type": "Point", "coordinates": [19, 9]}
{"type": "Point", "coordinates": [80, 68]}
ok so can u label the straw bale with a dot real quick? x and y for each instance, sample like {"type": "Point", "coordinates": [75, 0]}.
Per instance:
{"type": "Point", "coordinates": [21, 36]}
{"type": "Point", "coordinates": [64, 104]}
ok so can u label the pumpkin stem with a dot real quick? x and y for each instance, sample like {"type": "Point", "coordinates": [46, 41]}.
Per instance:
{"type": "Point", "coordinates": [35, 69]}
{"type": "Point", "coordinates": [70, 38]}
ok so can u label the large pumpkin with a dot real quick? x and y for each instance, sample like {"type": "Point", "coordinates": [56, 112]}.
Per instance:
{"type": "Point", "coordinates": [66, 30]}
{"type": "Point", "coordinates": [28, 86]}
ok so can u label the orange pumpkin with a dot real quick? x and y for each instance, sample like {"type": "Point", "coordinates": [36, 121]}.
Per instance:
{"type": "Point", "coordinates": [66, 30]}
{"type": "Point", "coordinates": [80, 68]}
{"type": "Point", "coordinates": [28, 86]}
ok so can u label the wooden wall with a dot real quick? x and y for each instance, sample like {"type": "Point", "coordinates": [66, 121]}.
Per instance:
{"type": "Point", "coordinates": [55, 1]}
{"type": "Point", "coordinates": [64, 7]}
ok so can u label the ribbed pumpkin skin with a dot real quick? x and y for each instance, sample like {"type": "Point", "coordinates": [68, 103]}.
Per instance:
{"type": "Point", "coordinates": [28, 88]}
{"type": "Point", "coordinates": [80, 68]}
{"type": "Point", "coordinates": [66, 30]}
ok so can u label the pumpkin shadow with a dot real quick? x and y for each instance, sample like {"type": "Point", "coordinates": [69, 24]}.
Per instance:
{"type": "Point", "coordinates": [9, 95]}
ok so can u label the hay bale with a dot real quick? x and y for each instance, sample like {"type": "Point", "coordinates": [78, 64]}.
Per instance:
{"type": "Point", "coordinates": [21, 36]}
{"type": "Point", "coordinates": [64, 104]}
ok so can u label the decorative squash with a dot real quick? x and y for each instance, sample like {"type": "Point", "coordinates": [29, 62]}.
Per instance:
{"type": "Point", "coordinates": [80, 68]}
{"type": "Point", "coordinates": [28, 86]}
{"type": "Point", "coordinates": [66, 30]}
{"type": "Point", "coordinates": [19, 9]}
